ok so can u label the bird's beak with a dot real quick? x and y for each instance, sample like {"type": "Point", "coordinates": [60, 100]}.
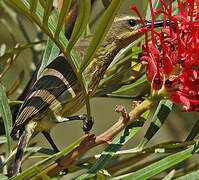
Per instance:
{"type": "Point", "coordinates": [157, 23]}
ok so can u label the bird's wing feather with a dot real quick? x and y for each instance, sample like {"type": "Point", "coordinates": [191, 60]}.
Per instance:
{"type": "Point", "coordinates": [56, 78]}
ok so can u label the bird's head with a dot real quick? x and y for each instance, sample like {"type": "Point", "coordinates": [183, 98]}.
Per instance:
{"type": "Point", "coordinates": [124, 29]}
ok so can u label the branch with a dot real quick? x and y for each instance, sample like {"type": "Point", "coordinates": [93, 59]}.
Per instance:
{"type": "Point", "coordinates": [106, 137]}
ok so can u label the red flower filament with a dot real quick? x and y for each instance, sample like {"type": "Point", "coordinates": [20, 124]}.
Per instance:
{"type": "Point", "coordinates": [173, 56]}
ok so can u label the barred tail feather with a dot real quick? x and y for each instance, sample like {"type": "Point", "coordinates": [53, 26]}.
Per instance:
{"type": "Point", "coordinates": [22, 145]}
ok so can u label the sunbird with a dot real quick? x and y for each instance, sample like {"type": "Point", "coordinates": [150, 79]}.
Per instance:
{"type": "Point", "coordinates": [57, 94]}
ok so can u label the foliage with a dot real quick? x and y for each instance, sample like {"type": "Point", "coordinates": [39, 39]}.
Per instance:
{"type": "Point", "coordinates": [112, 163]}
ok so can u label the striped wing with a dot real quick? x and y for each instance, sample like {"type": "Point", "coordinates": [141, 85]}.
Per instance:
{"type": "Point", "coordinates": [56, 79]}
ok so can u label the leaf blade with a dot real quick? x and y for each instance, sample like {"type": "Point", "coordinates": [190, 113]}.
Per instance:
{"type": "Point", "coordinates": [50, 53]}
{"type": "Point", "coordinates": [81, 22]}
{"type": "Point", "coordinates": [163, 164]}
{"type": "Point", "coordinates": [115, 145]}
{"type": "Point", "coordinates": [100, 32]}
{"type": "Point", "coordinates": [6, 116]}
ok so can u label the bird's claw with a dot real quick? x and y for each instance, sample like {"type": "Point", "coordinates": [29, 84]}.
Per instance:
{"type": "Point", "coordinates": [88, 124]}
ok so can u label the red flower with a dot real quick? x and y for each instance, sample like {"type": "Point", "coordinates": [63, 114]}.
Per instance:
{"type": "Point", "coordinates": [173, 56]}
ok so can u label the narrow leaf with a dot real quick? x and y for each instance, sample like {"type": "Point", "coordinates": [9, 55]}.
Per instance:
{"type": "Point", "coordinates": [40, 174]}
{"type": "Point", "coordinates": [122, 52]}
{"type": "Point", "coordinates": [3, 177]}
{"type": "Point", "coordinates": [50, 53]}
{"type": "Point", "coordinates": [26, 173]}
{"type": "Point", "coordinates": [84, 9]}
{"type": "Point", "coordinates": [47, 11]}
{"type": "Point", "coordinates": [40, 150]}
{"type": "Point", "coordinates": [50, 29]}
{"type": "Point", "coordinates": [163, 164]}
{"type": "Point", "coordinates": [125, 135]}
{"type": "Point", "coordinates": [106, 3]}
{"type": "Point", "coordinates": [148, 11]}
{"type": "Point", "coordinates": [192, 176]}
{"type": "Point", "coordinates": [20, 5]}
{"type": "Point", "coordinates": [194, 132]}
{"type": "Point", "coordinates": [17, 50]}
{"type": "Point", "coordinates": [3, 139]}
{"type": "Point", "coordinates": [141, 80]}
{"type": "Point", "coordinates": [62, 15]}
{"type": "Point", "coordinates": [170, 175]}
{"type": "Point", "coordinates": [33, 5]}
{"type": "Point", "coordinates": [12, 103]}
{"type": "Point", "coordinates": [6, 116]}
{"type": "Point", "coordinates": [161, 113]}
{"type": "Point", "coordinates": [101, 32]}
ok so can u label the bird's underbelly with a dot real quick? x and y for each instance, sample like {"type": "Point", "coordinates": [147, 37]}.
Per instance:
{"type": "Point", "coordinates": [44, 125]}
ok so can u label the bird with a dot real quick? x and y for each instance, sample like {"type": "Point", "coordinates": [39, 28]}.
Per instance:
{"type": "Point", "coordinates": [57, 94]}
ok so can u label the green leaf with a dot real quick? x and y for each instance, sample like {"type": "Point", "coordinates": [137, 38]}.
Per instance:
{"type": "Point", "coordinates": [17, 50]}
{"type": "Point", "coordinates": [29, 171]}
{"type": "Point", "coordinates": [51, 52]}
{"type": "Point", "coordinates": [194, 132]}
{"type": "Point", "coordinates": [163, 147]}
{"type": "Point", "coordinates": [3, 177]}
{"type": "Point", "coordinates": [114, 76]}
{"type": "Point", "coordinates": [106, 3]}
{"type": "Point", "coordinates": [100, 175]}
{"type": "Point", "coordinates": [148, 11]}
{"type": "Point", "coordinates": [84, 9]}
{"type": "Point", "coordinates": [100, 32]}
{"type": "Point", "coordinates": [64, 11]}
{"type": "Point", "coordinates": [163, 164]}
{"type": "Point", "coordinates": [161, 113]}
{"type": "Point", "coordinates": [170, 175]}
{"type": "Point", "coordinates": [29, 149]}
{"type": "Point", "coordinates": [124, 51]}
{"type": "Point", "coordinates": [6, 116]}
{"type": "Point", "coordinates": [20, 4]}
{"type": "Point", "coordinates": [135, 51]}
{"type": "Point", "coordinates": [47, 12]}
{"type": "Point", "coordinates": [141, 80]}
{"type": "Point", "coordinates": [115, 64]}
{"type": "Point", "coordinates": [40, 174]}
{"type": "Point", "coordinates": [40, 150]}
{"type": "Point", "coordinates": [12, 103]}
{"type": "Point", "coordinates": [33, 5]}
{"type": "Point", "coordinates": [11, 13]}
{"type": "Point", "coordinates": [124, 136]}
{"type": "Point", "coordinates": [3, 139]}
{"type": "Point", "coordinates": [192, 176]}
{"type": "Point", "coordinates": [49, 29]}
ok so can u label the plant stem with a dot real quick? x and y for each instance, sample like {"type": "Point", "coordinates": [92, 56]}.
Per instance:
{"type": "Point", "coordinates": [140, 109]}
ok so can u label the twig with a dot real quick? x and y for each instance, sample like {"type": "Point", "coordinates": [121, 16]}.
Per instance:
{"type": "Point", "coordinates": [10, 62]}
{"type": "Point", "coordinates": [91, 141]}
{"type": "Point", "coordinates": [16, 83]}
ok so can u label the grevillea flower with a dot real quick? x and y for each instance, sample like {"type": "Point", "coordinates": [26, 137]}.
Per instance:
{"type": "Point", "coordinates": [172, 58]}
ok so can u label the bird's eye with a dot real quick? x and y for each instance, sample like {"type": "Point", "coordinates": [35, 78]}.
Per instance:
{"type": "Point", "coordinates": [132, 22]}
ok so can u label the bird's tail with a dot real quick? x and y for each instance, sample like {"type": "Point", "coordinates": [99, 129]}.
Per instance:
{"type": "Point", "coordinates": [23, 142]}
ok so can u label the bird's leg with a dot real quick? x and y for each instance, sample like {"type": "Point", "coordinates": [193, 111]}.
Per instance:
{"type": "Point", "coordinates": [50, 140]}
{"type": "Point", "coordinates": [87, 126]}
